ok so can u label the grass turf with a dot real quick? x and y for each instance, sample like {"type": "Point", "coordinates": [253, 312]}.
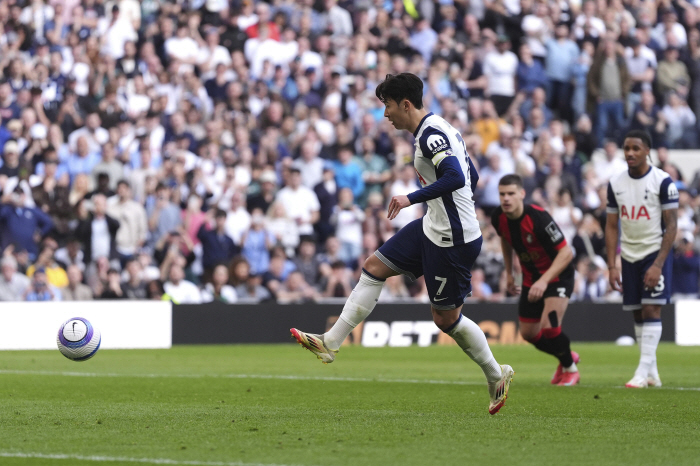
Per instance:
{"type": "Point", "coordinates": [276, 404]}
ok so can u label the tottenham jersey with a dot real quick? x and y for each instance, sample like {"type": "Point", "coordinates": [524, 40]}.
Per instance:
{"type": "Point", "coordinates": [639, 203]}
{"type": "Point", "coordinates": [451, 218]}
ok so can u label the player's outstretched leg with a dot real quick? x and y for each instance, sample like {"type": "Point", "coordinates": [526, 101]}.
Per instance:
{"type": "Point", "coordinates": [473, 342]}
{"type": "Point", "coordinates": [649, 341]}
{"type": "Point", "coordinates": [358, 306]}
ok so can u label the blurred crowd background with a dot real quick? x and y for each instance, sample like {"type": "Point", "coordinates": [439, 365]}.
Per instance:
{"type": "Point", "coordinates": [201, 150]}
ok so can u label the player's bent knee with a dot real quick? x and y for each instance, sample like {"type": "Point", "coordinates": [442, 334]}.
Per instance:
{"type": "Point", "coordinates": [530, 334]}
{"type": "Point", "coordinates": [377, 268]}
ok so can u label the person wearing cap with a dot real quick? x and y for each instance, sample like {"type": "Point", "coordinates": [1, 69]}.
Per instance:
{"type": "Point", "coordinates": [500, 68]}
{"type": "Point", "coordinates": [12, 283]}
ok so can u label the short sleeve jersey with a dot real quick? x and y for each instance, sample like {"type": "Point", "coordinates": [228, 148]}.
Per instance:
{"type": "Point", "coordinates": [639, 202]}
{"type": "Point", "coordinates": [451, 218]}
{"type": "Point", "coordinates": [536, 238]}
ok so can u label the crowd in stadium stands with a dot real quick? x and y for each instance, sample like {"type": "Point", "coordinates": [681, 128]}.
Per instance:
{"type": "Point", "coordinates": [201, 150]}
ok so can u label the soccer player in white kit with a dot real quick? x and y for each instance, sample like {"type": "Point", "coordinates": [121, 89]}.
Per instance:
{"type": "Point", "coordinates": [443, 245]}
{"type": "Point", "coordinates": [645, 201]}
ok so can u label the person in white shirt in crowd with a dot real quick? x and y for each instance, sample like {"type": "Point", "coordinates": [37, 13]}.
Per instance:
{"type": "Point", "coordinates": [680, 122]}
{"type": "Point", "coordinates": [181, 291]}
{"type": "Point", "coordinates": [500, 68]}
{"type": "Point", "coordinates": [503, 148]}
{"type": "Point", "coordinates": [95, 134]}
{"type": "Point", "coordinates": [182, 48]}
{"type": "Point", "coordinates": [566, 214]}
{"type": "Point", "coordinates": [12, 283]}
{"type": "Point", "coordinates": [347, 218]}
{"type": "Point", "coordinates": [610, 165]}
{"type": "Point", "coordinates": [115, 32]}
{"type": "Point", "coordinates": [76, 290]}
{"type": "Point", "coordinates": [309, 163]}
{"type": "Point", "coordinates": [238, 219]}
{"type": "Point", "coordinates": [133, 224]}
{"type": "Point", "coordinates": [489, 177]}
{"type": "Point", "coordinates": [218, 290]}
{"type": "Point", "coordinates": [300, 202]}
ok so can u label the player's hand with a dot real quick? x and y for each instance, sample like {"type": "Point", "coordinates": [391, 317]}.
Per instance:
{"type": "Point", "coordinates": [536, 291]}
{"type": "Point", "coordinates": [615, 279]}
{"type": "Point", "coordinates": [397, 203]}
{"type": "Point", "coordinates": [511, 288]}
{"type": "Point", "coordinates": [651, 278]}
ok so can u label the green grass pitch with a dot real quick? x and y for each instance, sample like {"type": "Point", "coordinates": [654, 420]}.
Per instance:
{"type": "Point", "coordinates": [278, 405]}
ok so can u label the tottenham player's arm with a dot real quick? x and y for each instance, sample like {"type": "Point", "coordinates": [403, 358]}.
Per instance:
{"type": "Point", "coordinates": [668, 197]}
{"type": "Point", "coordinates": [611, 235]}
{"type": "Point", "coordinates": [450, 176]}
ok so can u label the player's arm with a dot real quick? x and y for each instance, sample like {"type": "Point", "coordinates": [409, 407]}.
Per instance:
{"type": "Point", "coordinates": [507, 250]}
{"type": "Point", "coordinates": [611, 236]}
{"type": "Point", "coordinates": [668, 197]}
{"type": "Point", "coordinates": [563, 258]}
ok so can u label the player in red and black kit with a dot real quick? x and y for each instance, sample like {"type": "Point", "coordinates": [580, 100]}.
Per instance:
{"type": "Point", "coordinates": [548, 275]}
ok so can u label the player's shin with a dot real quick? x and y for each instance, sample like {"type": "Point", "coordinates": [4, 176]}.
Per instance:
{"type": "Point", "coordinates": [472, 340]}
{"type": "Point", "coordinates": [651, 334]}
{"type": "Point", "coordinates": [358, 306]}
{"type": "Point", "coordinates": [553, 341]}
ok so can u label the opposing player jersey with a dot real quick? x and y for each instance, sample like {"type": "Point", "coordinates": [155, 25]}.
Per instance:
{"type": "Point", "coordinates": [536, 238]}
{"type": "Point", "coordinates": [451, 217]}
{"type": "Point", "coordinates": [639, 203]}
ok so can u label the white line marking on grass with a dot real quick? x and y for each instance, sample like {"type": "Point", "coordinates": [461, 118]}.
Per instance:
{"type": "Point", "coordinates": [115, 459]}
{"type": "Point", "coordinates": [293, 377]}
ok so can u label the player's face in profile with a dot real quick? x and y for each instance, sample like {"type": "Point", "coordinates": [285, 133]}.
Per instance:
{"type": "Point", "coordinates": [636, 153]}
{"type": "Point", "coordinates": [393, 111]}
{"type": "Point", "coordinates": [511, 197]}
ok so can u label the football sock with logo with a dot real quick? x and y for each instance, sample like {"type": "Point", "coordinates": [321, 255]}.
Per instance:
{"type": "Point", "coordinates": [553, 341]}
{"type": "Point", "coordinates": [358, 306]}
{"type": "Point", "coordinates": [651, 334]}
{"type": "Point", "coordinates": [472, 340]}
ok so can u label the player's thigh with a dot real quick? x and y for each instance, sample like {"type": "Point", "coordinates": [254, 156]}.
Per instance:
{"type": "Point", "coordinates": [402, 253]}
{"type": "Point", "coordinates": [378, 269]}
{"type": "Point", "coordinates": [553, 313]}
{"type": "Point", "coordinates": [448, 272]}
{"type": "Point", "coordinates": [650, 311]}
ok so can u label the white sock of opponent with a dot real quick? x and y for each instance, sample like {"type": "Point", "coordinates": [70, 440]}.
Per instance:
{"type": "Point", "coordinates": [472, 340]}
{"type": "Point", "coordinates": [651, 334]}
{"type": "Point", "coordinates": [358, 306]}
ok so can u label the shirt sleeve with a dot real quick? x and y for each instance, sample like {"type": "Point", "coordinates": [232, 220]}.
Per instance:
{"type": "Point", "coordinates": [450, 178]}
{"type": "Point", "coordinates": [548, 231]}
{"type": "Point", "coordinates": [612, 208]}
{"type": "Point", "coordinates": [668, 194]}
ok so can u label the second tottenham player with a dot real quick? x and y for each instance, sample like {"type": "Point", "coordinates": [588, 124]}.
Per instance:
{"type": "Point", "coordinates": [442, 246]}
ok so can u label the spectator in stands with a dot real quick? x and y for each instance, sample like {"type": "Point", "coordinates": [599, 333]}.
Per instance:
{"type": "Point", "coordinates": [500, 69]}
{"type": "Point", "coordinates": [76, 290]}
{"type": "Point", "coordinates": [405, 184]}
{"type": "Point", "coordinates": [296, 290]}
{"type": "Point", "coordinates": [647, 116]}
{"type": "Point", "coordinates": [218, 289]}
{"type": "Point", "coordinates": [97, 231]}
{"type": "Point", "coordinates": [284, 229]}
{"type": "Point", "coordinates": [681, 132]}
{"type": "Point", "coordinates": [348, 218]}
{"type": "Point", "coordinates": [109, 165]}
{"type": "Point", "coordinates": [672, 74]}
{"type": "Point", "coordinates": [309, 163]}
{"type": "Point", "coordinates": [376, 221]}
{"type": "Point", "coordinates": [307, 262]}
{"type": "Point", "coordinates": [530, 73]}
{"type": "Point", "coordinates": [394, 290]}
{"type": "Point", "coordinates": [299, 202]}
{"type": "Point", "coordinates": [21, 225]}
{"type": "Point", "coordinates": [163, 215]}
{"type": "Point", "coordinates": [375, 170]}
{"type": "Point", "coordinates": [133, 223]}
{"type": "Point", "coordinates": [488, 180]}
{"type": "Point", "coordinates": [135, 286]}
{"type": "Point", "coordinates": [12, 283]}
{"type": "Point", "coordinates": [256, 244]}
{"type": "Point", "coordinates": [55, 274]}
{"type": "Point", "coordinates": [181, 291]}
{"type": "Point", "coordinates": [266, 196]}
{"type": "Point", "coordinates": [641, 63]}
{"type": "Point", "coordinates": [608, 84]}
{"type": "Point", "coordinates": [327, 193]}
{"type": "Point", "coordinates": [348, 173]}
{"type": "Point", "coordinates": [562, 55]}
{"type": "Point", "coordinates": [113, 289]}
{"type": "Point", "coordinates": [10, 159]}
{"type": "Point", "coordinates": [217, 246]}
{"type": "Point", "coordinates": [339, 284]}
{"type": "Point", "coordinates": [595, 284]}
{"type": "Point", "coordinates": [611, 165]}
{"type": "Point", "coordinates": [686, 268]}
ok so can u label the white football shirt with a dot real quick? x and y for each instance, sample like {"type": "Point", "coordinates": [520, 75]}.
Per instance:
{"type": "Point", "coordinates": [451, 218]}
{"type": "Point", "coordinates": [639, 203]}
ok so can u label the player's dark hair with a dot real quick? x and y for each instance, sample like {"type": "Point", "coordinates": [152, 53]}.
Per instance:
{"type": "Point", "coordinates": [511, 179]}
{"type": "Point", "coordinates": [640, 134]}
{"type": "Point", "coordinates": [397, 87]}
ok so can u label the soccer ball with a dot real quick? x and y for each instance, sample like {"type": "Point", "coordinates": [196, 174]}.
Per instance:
{"type": "Point", "coordinates": [78, 340]}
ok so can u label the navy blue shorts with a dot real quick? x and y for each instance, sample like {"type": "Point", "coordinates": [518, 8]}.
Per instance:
{"type": "Point", "coordinates": [447, 270]}
{"type": "Point", "coordinates": [634, 294]}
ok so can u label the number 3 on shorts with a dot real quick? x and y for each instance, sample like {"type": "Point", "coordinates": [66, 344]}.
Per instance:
{"type": "Point", "coordinates": [562, 292]}
{"type": "Point", "coordinates": [442, 285]}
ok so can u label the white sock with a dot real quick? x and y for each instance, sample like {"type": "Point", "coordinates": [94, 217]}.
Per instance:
{"type": "Point", "coordinates": [472, 340]}
{"type": "Point", "coordinates": [651, 334]}
{"type": "Point", "coordinates": [358, 306]}
{"type": "Point", "coordinates": [653, 370]}
{"type": "Point", "coordinates": [571, 368]}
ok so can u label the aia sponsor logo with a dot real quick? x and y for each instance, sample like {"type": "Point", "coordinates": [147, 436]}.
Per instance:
{"type": "Point", "coordinates": [634, 213]}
